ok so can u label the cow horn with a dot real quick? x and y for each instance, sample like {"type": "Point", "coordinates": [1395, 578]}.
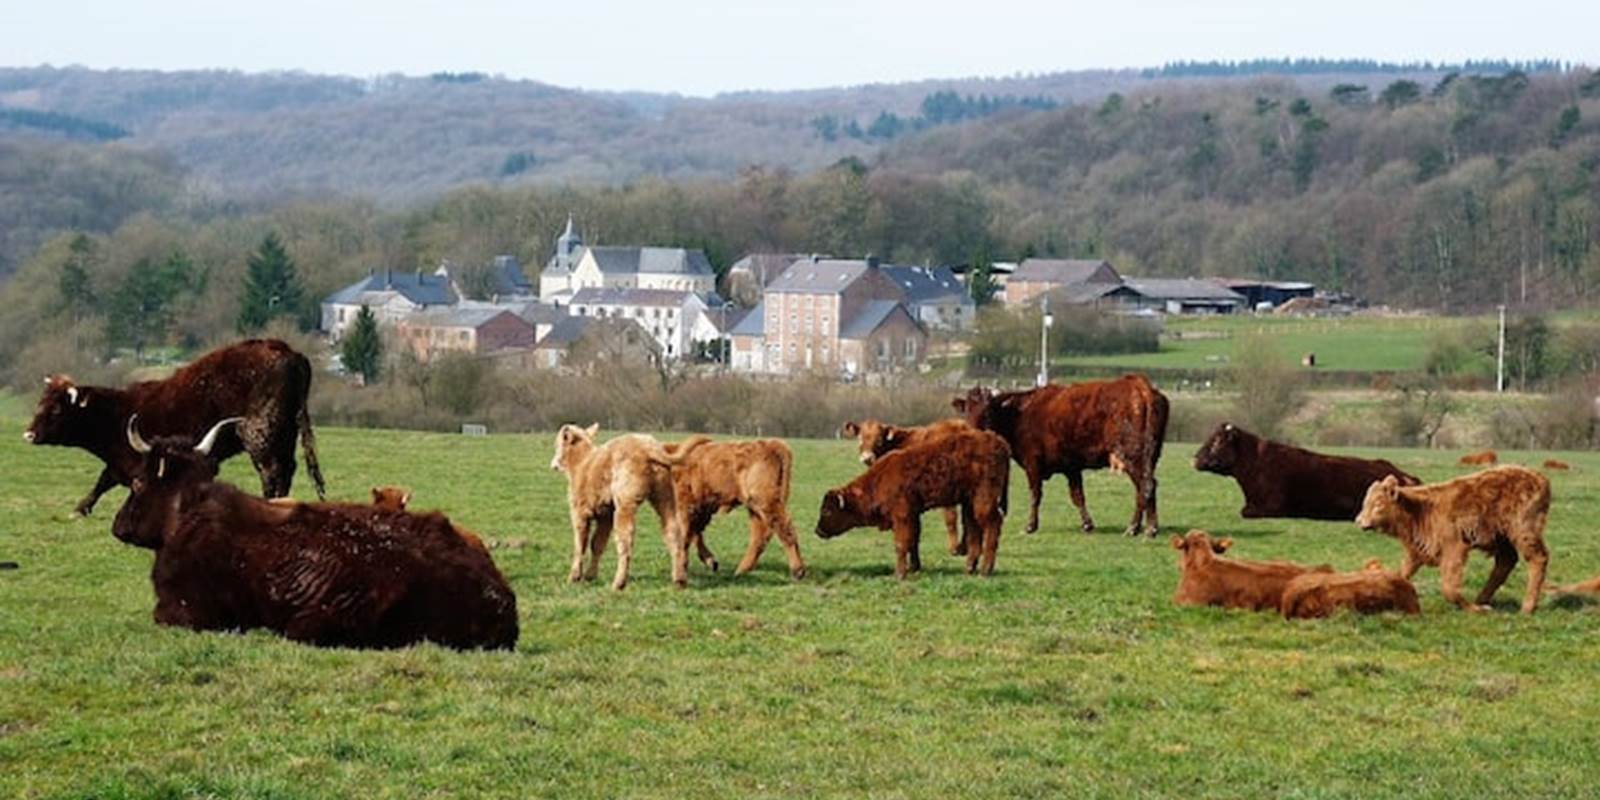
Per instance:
{"type": "Point", "coordinates": [136, 441]}
{"type": "Point", "coordinates": [210, 440]}
{"type": "Point", "coordinates": [72, 395]}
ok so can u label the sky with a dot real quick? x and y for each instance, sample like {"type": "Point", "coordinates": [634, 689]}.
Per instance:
{"type": "Point", "coordinates": [703, 48]}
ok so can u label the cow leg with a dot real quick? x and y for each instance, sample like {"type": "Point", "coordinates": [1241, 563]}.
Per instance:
{"type": "Point", "coordinates": [695, 529]}
{"type": "Point", "coordinates": [676, 539]}
{"type": "Point", "coordinates": [974, 537]}
{"type": "Point", "coordinates": [906, 531]}
{"type": "Point", "coordinates": [597, 546]}
{"type": "Point", "coordinates": [580, 545]}
{"type": "Point", "coordinates": [1075, 483]}
{"type": "Point", "coordinates": [1505, 559]}
{"type": "Point", "coordinates": [1147, 490]}
{"type": "Point", "coordinates": [1538, 558]}
{"type": "Point", "coordinates": [993, 521]}
{"type": "Point", "coordinates": [105, 483]}
{"type": "Point", "coordinates": [1452, 567]}
{"type": "Point", "coordinates": [1036, 490]}
{"type": "Point", "coordinates": [916, 546]}
{"type": "Point", "coordinates": [777, 521]}
{"type": "Point", "coordinates": [760, 533]}
{"type": "Point", "coordinates": [624, 520]}
{"type": "Point", "coordinates": [1409, 564]}
{"type": "Point", "coordinates": [952, 529]}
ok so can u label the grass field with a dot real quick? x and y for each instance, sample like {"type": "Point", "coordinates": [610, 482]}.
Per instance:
{"type": "Point", "coordinates": [1069, 673]}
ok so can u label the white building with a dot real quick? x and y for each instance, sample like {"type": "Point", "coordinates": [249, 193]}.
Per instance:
{"type": "Point", "coordinates": [677, 320]}
{"type": "Point", "coordinates": [576, 266]}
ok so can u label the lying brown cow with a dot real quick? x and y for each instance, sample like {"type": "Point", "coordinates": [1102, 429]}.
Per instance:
{"type": "Point", "coordinates": [875, 438]}
{"type": "Point", "coordinates": [1068, 429]}
{"type": "Point", "coordinates": [1283, 481]}
{"type": "Point", "coordinates": [606, 484]}
{"type": "Point", "coordinates": [264, 382]}
{"type": "Point", "coordinates": [1481, 458]}
{"type": "Point", "coordinates": [1210, 580]}
{"type": "Point", "coordinates": [329, 574]}
{"type": "Point", "coordinates": [969, 469]}
{"type": "Point", "coordinates": [717, 477]}
{"type": "Point", "coordinates": [1373, 590]}
{"type": "Point", "coordinates": [1501, 511]}
{"type": "Point", "coordinates": [1554, 465]}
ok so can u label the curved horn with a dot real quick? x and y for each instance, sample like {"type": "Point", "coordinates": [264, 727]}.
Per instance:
{"type": "Point", "coordinates": [136, 441]}
{"type": "Point", "coordinates": [72, 395]}
{"type": "Point", "coordinates": [210, 440]}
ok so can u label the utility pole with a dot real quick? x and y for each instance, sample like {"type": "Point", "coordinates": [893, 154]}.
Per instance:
{"type": "Point", "coordinates": [1500, 358]}
{"type": "Point", "coordinates": [1044, 343]}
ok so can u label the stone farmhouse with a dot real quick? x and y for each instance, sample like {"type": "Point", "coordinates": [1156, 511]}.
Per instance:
{"type": "Point", "coordinates": [473, 331]}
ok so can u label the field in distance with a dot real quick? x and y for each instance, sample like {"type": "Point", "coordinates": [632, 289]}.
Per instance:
{"type": "Point", "coordinates": [1067, 673]}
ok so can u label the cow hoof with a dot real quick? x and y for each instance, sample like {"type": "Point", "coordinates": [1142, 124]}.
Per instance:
{"type": "Point", "coordinates": [1087, 527]}
{"type": "Point", "coordinates": [797, 574]}
{"type": "Point", "coordinates": [958, 550]}
{"type": "Point", "coordinates": [1033, 527]}
{"type": "Point", "coordinates": [1479, 609]}
{"type": "Point", "coordinates": [678, 584]}
{"type": "Point", "coordinates": [1133, 530]}
{"type": "Point", "coordinates": [712, 565]}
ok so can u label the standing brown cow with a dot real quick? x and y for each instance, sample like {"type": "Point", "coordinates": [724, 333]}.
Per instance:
{"type": "Point", "coordinates": [720, 476]}
{"type": "Point", "coordinates": [1501, 511]}
{"type": "Point", "coordinates": [970, 469]}
{"type": "Point", "coordinates": [1068, 429]}
{"type": "Point", "coordinates": [873, 439]}
{"type": "Point", "coordinates": [262, 381]}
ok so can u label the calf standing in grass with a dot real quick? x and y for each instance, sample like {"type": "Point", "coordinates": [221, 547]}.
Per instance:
{"type": "Point", "coordinates": [1371, 591]}
{"type": "Point", "coordinates": [334, 574]}
{"type": "Point", "coordinates": [968, 468]}
{"type": "Point", "coordinates": [1283, 481]}
{"type": "Point", "coordinates": [720, 476]}
{"type": "Point", "coordinates": [606, 484]}
{"type": "Point", "coordinates": [1210, 580]}
{"type": "Point", "coordinates": [875, 438]}
{"type": "Point", "coordinates": [1500, 511]}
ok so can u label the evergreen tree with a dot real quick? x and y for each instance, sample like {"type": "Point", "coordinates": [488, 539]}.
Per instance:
{"type": "Point", "coordinates": [74, 282]}
{"type": "Point", "coordinates": [271, 288]}
{"type": "Point", "coordinates": [142, 313]}
{"type": "Point", "coordinates": [980, 281]}
{"type": "Point", "coordinates": [362, 348]}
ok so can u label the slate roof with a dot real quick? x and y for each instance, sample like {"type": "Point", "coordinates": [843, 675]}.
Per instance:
{"type": "Point", "coordinates": [610, 296]}
{"type": "Point", "coordinates": [652, 260]}
{"type": "Point", "coordinates": [564, 332]}
{"type": "Point", "coordinates": [532, 311]}
{"type": "Point", "coordinates": [868, 319]}
{"type": "Point", "coordinates": [752, 324]}
{"type": "Point", "coordinates": [1058, 270]}
{"type": "Point", "coordinates": [828, 275]}
{"type": "Point", "coordinates": [929, 285]}
{"type": "Point", "coordinates": [420, 288]}
{"type": "Point", "coordinates": [1079, 293]}
{"type": "Point", "coordinates": [765, 267]}
{"type": "Point", "coordinates": [454, 317]}
{"type": "Point", "coordinates": [1182, 289]}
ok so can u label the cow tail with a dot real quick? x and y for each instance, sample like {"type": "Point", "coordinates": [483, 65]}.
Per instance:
{"type": "Point", "coordinates": [785, 470]}
{"type": "Point", "coordinates": [308, 444]}
{"type": "Point", "coordinates": [1158, 427]}
{"type": "Point", "coordinates": [659, 454]}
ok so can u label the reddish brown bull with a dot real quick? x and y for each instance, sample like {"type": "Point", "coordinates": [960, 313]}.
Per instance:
{"type": "Point", "coordinates": [969, 469]}
{"type": "Point", "coordinates": [262, 381]}
{"type": "Point", "coordinates": [322, 573]}
{"type": "Point", "coordinates": [1068, 429]}
{"type": "Point", "coordinates": [873, 439]}
{"type": "Point", "coordinates": [1283, 481]}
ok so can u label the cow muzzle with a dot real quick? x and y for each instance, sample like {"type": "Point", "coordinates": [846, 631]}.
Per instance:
{"type": "Point", "coordinates": [28, 436]}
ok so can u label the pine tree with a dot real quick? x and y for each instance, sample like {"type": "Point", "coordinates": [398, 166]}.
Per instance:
{"type": "Point", "coordinates": [271, 288]}
{"type": "Point", "coordinates": [362, 348]}
{"type": "Point", "coordinates": [980, 283]}
{"type": "Point", "coordinates": [74, 283]}
{"type": "Point", "coordinates": [142, 312]}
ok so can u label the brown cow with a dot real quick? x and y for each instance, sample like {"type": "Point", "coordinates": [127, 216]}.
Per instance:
{"type": "Point", "coordinates": [263, 381]}
{"type": "Point", "coordinates": [1210, 580]}
{"type": "Point", "coordinates": [331, 574]}
{"type": "Point", "coordinates": [1482, 458]}
{"type": "Point", "coordinates": [874, 438]}
{"type": "Point", "coordinates": [1283, 481]}
{"type": "Point", "coordinates": [1373, 590]}
{"type": "Point", "coordinates": [970, 469]}
{"type": "Point", "coordinates": [606, 484]}
{"type": "Point", "coordinates": [717, 477]}
{"type": "Point", "coordinates": [1554, 465]}
{"type": "Point", "coordinates": [1068, 429]}
{"type": "Point", "coordinates": [1501, 510]}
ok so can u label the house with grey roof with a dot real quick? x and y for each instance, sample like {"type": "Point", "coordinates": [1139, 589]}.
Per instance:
{"type": "Point", "coordinates": [1185, 295]}
{"type": "Point", "coordinates": [1035, 276]}
{"type": "Point", "coordinates": [935, 297]}
{"type": "Point", "coordinates": [844, 316]}
{"type": "Point", "coordinates": [576, 266]}
{"type": "Point", "coordinates": [610, 340]}
{"type": "Point", "coordinates": [391, 295]}
{"type": "Point", "coordinates": [473, 331]}
{"type": "Point", "coordinates": [677, 320]}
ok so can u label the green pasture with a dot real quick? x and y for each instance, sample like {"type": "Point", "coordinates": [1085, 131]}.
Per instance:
{"type": "Point", "coordinates": [1068, 673]}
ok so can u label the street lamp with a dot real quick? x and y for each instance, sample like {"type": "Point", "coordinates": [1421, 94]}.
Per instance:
{"type": "Point", "coordinates": [1044, 343]}
{"type": "Point", "coordinates": [722, 336]}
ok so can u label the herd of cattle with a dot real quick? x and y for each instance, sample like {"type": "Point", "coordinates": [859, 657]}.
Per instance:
{"type": "Point", "coordinates": [379, 575]}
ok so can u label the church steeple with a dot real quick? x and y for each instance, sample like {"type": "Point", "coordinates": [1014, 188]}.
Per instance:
{"type": "Point", "coordinates": [567, 244]}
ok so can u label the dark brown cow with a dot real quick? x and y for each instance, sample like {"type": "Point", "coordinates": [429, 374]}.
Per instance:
{"type": "Point", "coordinates": [874, 439]}
{"type": "Point", "coordinates": [329, 574]}
{"type": "Point", "coordinates": [1208, 579]}
{"type": "Point", "coordinates": [970, 469]}
{"type": "Point", "coordinates": [1283, 481]}
{"type": "Point", "coordinates": [262, 381]}
{"type": "Point", "coordinates": [1068, 429]}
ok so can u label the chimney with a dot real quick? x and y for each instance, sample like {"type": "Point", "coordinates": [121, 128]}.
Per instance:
{"type": "Point", "coordinates": [872, 261]}
{"type": "Point", "coordinates": [388, 278]}
{"type": "Point", "coordinates": [815, 258]}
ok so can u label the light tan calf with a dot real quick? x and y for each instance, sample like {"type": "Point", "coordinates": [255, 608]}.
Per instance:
{"type": "Point", "coordinates": [718, 477]}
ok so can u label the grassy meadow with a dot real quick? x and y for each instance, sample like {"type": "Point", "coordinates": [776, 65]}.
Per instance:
{"type": "Point", "coordinates": [1069, 673]}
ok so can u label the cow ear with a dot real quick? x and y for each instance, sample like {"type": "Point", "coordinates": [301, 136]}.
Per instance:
{"type": "Point", "coordinates": [593, 430]}
{"type": "Point", "coordinates": [1227, 426]}
{"type": "Point", "coordinates": [959, 404]}
{"type": "Point", "coordinates": [851, 429]}
{"type": "Point", "coordinates": [891, 436]}
{"type": "Point", "coordinates": [405, 499]}
{"type": "Point", "coordinates": [377, 494]}
{"type": "Point", "coordinates": [1178, 542]}
{"type": "Point", "coordinates": [1221, 545]}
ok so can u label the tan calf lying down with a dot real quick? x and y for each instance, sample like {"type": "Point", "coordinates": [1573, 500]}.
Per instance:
{"type": "Point", "coordinates": [396, 498]}
{"type": "Point", "coordinates": [1482, 458]}
{"type": "Point", "coordinates": [720, 476]}
{"type": "Point", "coordinates": [1210, 580]}
{"type": "Point", "coordinates": [606, 484]}
{"type": "Point", "coordinates": [874, 439]}
{"type": "Point", "coordinates": [1500, 511]}
{"type": "Point", "coordinates": [1370, 591]}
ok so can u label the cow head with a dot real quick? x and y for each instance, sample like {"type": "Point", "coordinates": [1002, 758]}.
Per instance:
{"type": "Point", "coordinates": [62, 415]}
{"type": "Point", "coordinates": [874, 438]}
{"type": "Point", "coordinates": [391, 498]}
{"type": "Point", "coordinates": [837, 515]}
{"type": "Point", "coordinates": [975, 406]}
{"type": "Point", "coordinates": [1381, 508]}
{"type": "Point", "coordinates": [1221, 450]}
{"type": "Point", "coordinates": [172, 467]}
{"type": "Point", "coordinates": [572, 445]}
{"type": "Point", "coordinates": [1198, 547]}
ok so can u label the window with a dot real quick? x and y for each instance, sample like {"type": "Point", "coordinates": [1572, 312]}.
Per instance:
{"type": "Point", "coordinates": [883, 349]}
{"type": "Point", "coordinates": [911, 349]}
{"type": "Point", "coordinates": [341, 316]}
{"type": "Point", "coordinates": [465, 335]}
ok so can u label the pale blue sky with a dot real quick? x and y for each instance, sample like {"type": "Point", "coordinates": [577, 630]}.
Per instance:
{"type": "Point", "coordinates": [707, 47]}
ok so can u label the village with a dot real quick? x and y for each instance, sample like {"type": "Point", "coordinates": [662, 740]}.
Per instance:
{"type": "Point", "coordinates": [774, 314]}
